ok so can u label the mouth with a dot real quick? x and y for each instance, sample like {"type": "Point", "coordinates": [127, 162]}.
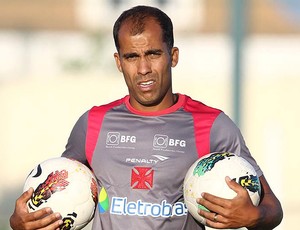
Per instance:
{"type": "Point", "coordinates": [146, 85]}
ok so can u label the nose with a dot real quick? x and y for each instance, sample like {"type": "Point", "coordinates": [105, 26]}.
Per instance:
{"type": "Point", "coordinates": [144, 66]}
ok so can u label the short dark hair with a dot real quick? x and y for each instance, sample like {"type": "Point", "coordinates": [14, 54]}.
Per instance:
{"type": "Point", "coordinates": [137, 15]}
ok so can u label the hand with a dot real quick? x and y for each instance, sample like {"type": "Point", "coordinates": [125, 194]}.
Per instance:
{"type": "Point", "coordinates": [229, 213]}
{"type": "Point", "coordinates": [44, 219]}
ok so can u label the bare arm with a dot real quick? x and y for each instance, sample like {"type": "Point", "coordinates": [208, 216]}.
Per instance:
{"type": "Point", "coordinates": [270, 212]}
{"type": "Point", "coordinates": [240, 212]}
{"type": "Point", "coordinates": [44, 219]}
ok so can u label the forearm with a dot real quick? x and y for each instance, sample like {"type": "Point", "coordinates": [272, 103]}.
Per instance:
{"type": "Point", "coordinates": [269, 213]}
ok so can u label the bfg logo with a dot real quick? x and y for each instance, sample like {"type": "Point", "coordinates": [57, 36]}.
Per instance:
{"type": "Point", "coordinates": [163, 141]}
{"type": "Point", "coordinates": [115, 138]}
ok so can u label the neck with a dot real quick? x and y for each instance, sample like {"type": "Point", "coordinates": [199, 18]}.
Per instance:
{"type": "Point", "coordinates": [162, 105]}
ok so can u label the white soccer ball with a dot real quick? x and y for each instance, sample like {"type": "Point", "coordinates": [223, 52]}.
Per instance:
{"type": "Point", "coordinates": [208, 174]}
{"type": "Point", "coordinates": [66, 186]}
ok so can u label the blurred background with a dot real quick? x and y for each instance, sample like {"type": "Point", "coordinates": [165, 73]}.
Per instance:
{"type": "Point", "coordinates": [56, 61]}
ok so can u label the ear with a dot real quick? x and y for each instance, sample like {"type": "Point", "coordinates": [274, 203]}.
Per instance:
{"type": "Point", "coordinates": [174, 56]}
{"type": "Point", "coordinates": [118, 61]}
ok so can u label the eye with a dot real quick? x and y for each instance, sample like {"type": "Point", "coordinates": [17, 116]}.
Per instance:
{"type": "Point", "coordinates": [153, 54]}
{"type": "Point", "coordinates": [131, 57]}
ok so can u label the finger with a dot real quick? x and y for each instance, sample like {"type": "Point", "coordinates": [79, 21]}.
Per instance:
{"type": "Point", "coordinates": [206, 204]}
{"type": "Point", "coordinates": [21, 202]}
{"type": "Point", "coordinates": [51, 221]}
{"type": "Point", "coordinates": [25, 197]}
{"type": "Point", "coordinates": [212, 219]}
{"type": "Point", "coordinates": [204, 214]}
{"type": "Point", "coordinates": [237, 188]}
{"type": "Point", "coordinates": [233, 184]}
{"type": "Point", "coordinates": [207, 214]}
{"type": "Point", "coordinates": [56, 225]}
{"type": "Point", "coordinates": [27, 194]}
{"type": "Point", "coordinates": [209, 201]}
{"type": "Point", "coordinates": [39, 214]}
{"type": "Point", "coordinates": [215, 221]}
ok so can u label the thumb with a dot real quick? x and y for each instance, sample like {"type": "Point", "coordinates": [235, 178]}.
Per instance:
{"type": "Point", "coordinates": [20, 206]}
{"type": "Point", "coordinates": [26, 195]}
{"type": "Point", "coordinates": [232, 184]}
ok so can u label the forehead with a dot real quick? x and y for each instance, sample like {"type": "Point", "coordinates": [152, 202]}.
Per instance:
{"type": "Point", "coordinates": [149, 29]}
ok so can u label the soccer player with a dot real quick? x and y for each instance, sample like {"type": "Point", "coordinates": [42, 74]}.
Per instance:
{"type": "Point", "coordinates": [141, 146]}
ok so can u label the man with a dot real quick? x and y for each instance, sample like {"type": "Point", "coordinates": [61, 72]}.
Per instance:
{"type": "Point", "coordinates": [141, 146]}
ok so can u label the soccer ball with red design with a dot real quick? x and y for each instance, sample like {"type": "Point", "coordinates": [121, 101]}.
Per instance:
{"type": "Point", "coordinates": [208, 174]}
{"type": "Point", "coordinates": [66, 186]}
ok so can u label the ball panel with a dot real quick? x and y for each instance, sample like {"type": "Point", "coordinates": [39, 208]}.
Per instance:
{"type": "Point", "coordinates": [66, 186]}
{"type": "Point", "coordinates": [208, 173]}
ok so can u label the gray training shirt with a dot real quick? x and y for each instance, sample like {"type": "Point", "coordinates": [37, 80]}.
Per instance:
{"type": "Point", "coordinates": [140, 159]}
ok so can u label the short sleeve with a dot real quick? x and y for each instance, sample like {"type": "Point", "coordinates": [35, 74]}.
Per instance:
{"type": "Point", "coordinates": [75, 147]}
{"type": "Point", "coordinates": [225, 136]}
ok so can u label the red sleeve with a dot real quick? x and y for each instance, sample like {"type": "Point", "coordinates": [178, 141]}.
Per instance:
{"type": "Point", "coordinates": [95, 119]}
{"type": "Point", "coordinates": [204, 117]}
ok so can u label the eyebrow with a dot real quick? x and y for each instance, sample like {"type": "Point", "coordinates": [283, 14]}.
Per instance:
{"type": "Point", "coordinates": [148, 52]}
{"type": "Point", "coordinates": [154, 51]}
{"type": "Point", "coordinates": [130, 55]}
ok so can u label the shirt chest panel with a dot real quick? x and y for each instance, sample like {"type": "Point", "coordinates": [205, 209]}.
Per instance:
{"type": "Point", "coordinates": [153, 150]}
